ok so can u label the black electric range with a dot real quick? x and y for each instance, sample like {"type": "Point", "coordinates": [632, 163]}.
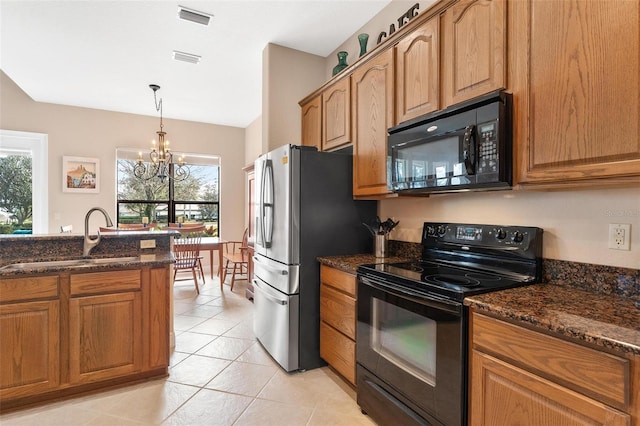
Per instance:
{"type": "Point", "coordinates": [412, 328]}
{"type": "Point", "coordinates": [460, 260]}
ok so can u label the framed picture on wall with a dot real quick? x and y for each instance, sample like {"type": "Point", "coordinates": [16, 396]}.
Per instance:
{"type": "Point", "coordinates": [80, 175]}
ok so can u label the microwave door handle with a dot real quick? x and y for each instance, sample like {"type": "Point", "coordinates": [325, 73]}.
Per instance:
{"type": "Point", "coordinates": [469, 149]}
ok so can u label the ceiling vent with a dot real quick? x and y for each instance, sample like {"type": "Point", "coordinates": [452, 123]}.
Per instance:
{"type": "Point", "coordinates": [193, 15]}
{"type": "Point", "coordinates": [186, 57]}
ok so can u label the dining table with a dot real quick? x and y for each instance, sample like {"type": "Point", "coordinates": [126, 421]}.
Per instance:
{"type": "Point", "coordinates": [212, 244]}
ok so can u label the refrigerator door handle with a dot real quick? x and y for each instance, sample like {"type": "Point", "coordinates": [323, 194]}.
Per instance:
{"type": "Point", "coordinates": [266, 266]}
{"type": "Point", "coordinates": [267, 295]}
{"type": "Point", "coordinates": [266, 204]}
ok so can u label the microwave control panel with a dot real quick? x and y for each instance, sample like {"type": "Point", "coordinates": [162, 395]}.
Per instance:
{"type": "Point", "coordinates": [488, 147]}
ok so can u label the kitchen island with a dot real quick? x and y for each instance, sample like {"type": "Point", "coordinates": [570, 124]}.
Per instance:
{"type": "Point", "coordinates": [71, 324]}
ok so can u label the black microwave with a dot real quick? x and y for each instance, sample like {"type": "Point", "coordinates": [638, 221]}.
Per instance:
{"type": "Point", "coordinates": [465, 147]}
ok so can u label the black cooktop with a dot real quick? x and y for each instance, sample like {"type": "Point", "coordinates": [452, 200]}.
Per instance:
{"type": "Point", "coordinates": [460, 260]}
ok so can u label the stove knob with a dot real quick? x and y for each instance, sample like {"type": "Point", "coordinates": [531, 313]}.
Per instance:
{"type": "Point", "coordinates": [441, 230]}
{"type": "Point", "coordinates": [518, 237]}
{"type": "Point", "coordinates": [501, 234]}
{"type": "Point", "coordinates": [430, 230]}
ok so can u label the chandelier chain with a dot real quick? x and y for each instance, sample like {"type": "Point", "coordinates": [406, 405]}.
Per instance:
{"type": "Point", "coordinates": [161, 163]}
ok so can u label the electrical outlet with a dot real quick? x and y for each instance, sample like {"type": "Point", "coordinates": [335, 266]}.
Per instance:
{"type": "Point", "coordinates": [147, 244]}
{"type": "Point", "coordinates": [620, 236]}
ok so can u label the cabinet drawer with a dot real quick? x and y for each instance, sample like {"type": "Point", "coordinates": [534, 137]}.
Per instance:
{"type": "Point", "coordinates": [338, 310]}
{"type": "Point", "coordinates": [591, 372]}
{"type": "Point", "coordinates": [339, 351]}
{"type": "Point", "coordinates": [339, 279]}
{"type": "Point", "coordinates": [18, 289]}
{"type": "Point", "coordinates": [105, 282]}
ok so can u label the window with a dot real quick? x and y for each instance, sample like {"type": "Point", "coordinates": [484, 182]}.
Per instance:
{"type": "Point", "coordinates": [24, 167]}
{"type": "Point", "coordinates": [195, 199]}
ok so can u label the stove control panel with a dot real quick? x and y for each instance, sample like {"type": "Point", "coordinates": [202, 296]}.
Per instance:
{"type": "Point", "coordinates": [464, 236]}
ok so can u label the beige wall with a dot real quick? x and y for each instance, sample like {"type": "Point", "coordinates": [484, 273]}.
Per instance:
{"type": "Point", "coordinates": [95, 133]}
{"type": "Point", "coordinates": [288, 75]}
{"type": "Point", "coordinates": [575, 223]}
{"type": "Point", "coordinates": [253, 141]}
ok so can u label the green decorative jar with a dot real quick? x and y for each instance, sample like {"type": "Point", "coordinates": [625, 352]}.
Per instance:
{"type": "Point", "coordinates": [363, 39]}
{"type": "Point", "coordinates": [342, 62]}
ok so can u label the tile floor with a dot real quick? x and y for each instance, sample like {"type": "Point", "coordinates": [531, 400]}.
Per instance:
{"type": "Point", "coordinates": [219, 375]}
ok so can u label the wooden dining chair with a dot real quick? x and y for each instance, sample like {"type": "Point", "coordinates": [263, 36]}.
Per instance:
{"type": "Point", "coordinates": [186, 250]}
{"type": "Point", "coordinates": [236, 259]}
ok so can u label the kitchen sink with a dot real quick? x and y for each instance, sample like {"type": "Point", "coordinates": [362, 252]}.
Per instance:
{"type": "Point", "coordinates": [66, 263]}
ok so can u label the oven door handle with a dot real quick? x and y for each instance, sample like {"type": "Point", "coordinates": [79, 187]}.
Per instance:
{"type": "Point", "coordinates": [430, 300]}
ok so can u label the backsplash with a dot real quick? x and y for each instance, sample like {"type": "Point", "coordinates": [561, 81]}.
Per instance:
{"type": "Point", "coordinates": [600, 279]}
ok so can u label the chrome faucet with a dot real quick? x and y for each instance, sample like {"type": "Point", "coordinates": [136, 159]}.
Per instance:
{"type": "Point", "coordinates": [90, 243]}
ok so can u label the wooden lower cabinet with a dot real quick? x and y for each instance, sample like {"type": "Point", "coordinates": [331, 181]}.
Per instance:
{"type": "Point", "coordinates": [29, 348]}
{"type": "Point", "coordinates": [105, 336]}
{"type": "Point", "coordinates": [338, 321]}
{"type": "Point", "coordinates": [510, 395]}
{"type": "Point", "coordinates": [29, 336]}
{"type": "Point", "coordinates": [339, 351]}
{"type": "Point", "coordinates": [520, 376]}
{"type": "Point", "coordinates": [71, 332]}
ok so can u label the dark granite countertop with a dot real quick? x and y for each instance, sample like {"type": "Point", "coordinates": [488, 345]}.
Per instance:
{"type": "Point", "coordinates": [608, 320]}
{"type": "Point", "coordinates": [85, 265]}
{"type": "Point", "coordinates": [44, 254]}
{"type": "Point", "coordinates": [349, 263]}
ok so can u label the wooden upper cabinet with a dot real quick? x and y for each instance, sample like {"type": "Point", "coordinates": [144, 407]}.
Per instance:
{"type": "Point", "coordinates": [336, 123]}
{"type": "Point", "coordinates": [372, 115]}
{"type": "Point", "coordinates": [574, 68]}
{"type": "Point", "coordinates": [474, 48]}
{"type": "Point", "coordinates": [418, 72]}
{"type": "Point", "coordinates": [312, 123]}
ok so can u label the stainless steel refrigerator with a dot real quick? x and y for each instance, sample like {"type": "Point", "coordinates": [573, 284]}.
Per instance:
{"type": "Point", "coordinates": [305, 209]}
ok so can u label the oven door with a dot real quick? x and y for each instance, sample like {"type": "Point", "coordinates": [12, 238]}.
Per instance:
{"type": "Point", "coordinates": [410, 355]}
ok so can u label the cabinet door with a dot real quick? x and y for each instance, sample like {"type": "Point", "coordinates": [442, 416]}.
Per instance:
{"type": "Point", "coordinates": [311, 123]}
{"type": "Point", "coordinates": [336, 123]}
{"type": "Point", "coordinates": [502, 394]}
{"type": "Point", "coordinates": [105, 336]}
{"type": "Point", "coordinates": [29, 348]}
{"type": "Point", "coordinates": [372, 115]}
{"type": "Point", "coordinates": [159, 317]}
{"type": "Point", "coordinates": [338, 310]}
{"type": "Point", "coordinates": [418, 72]}
{"type": "Point", "coordinates": [574, 68]}
{"type": "Point", "coordinates": [339, 351]}
{"type": "Point", "coordinates": [474, 40]}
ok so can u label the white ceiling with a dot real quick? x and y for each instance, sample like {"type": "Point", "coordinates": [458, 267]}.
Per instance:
{"type": "Point", "coordinates": [104, 54]}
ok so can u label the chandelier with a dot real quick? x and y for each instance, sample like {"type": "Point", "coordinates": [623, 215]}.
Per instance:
{"type": "Point", "coordinates": [161, 163]}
